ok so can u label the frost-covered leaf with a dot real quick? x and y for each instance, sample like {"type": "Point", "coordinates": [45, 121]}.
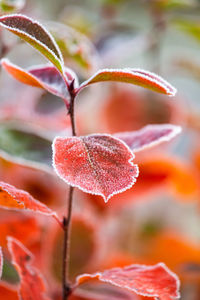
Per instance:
{"type": "Point", "coordinates": [36, 35]}
{"type": "Point", "coordinates": [93, 164]}
{"type": "Point", "coordinates": [148, 136]}
{"type": "Point", "coordinates": [1, 262]}
{"type": "Point", "coordinates": [134, 76]}
{"type": "Point", "coordinates": [152, 281]}
{"type": "Point", "coordinates": [32, 286]}
{"type": "Point", "coordinates": [13, 198]}
{"type": "Point", "coordinates": [46, 77]}
{"type": "Point", "coordinates": [9, 6]}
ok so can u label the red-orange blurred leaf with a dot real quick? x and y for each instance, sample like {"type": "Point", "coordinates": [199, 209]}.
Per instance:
{"type": "Point", "coordinates": [7, 292]}
{"type": "Point", "coordinates": [93, 164]}
{"type": "Point", "coordinates": [172, 249]}
{"type": "Point", "coordinates": [13, 198]}
{"type": "Point", "coordinates": [134, 76]}
{"type": "Point", "coordinates": [84, 247]}
{"type": "Point", "coordinates": [32, 286]}
{"type": "Point", "coordinates": [148, 136]}
{"type": "Point", "coordinates": [153, 281]}
{"type": "Point", "coordinates": [36, 35]}
{"type": "Point", "coordinates": [12, 225]}
{"type": "Point", "coordinates": [45, 76]}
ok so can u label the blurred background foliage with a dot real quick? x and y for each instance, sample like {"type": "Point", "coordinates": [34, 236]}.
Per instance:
{"type": "Point", "coordinates": [158, 219]}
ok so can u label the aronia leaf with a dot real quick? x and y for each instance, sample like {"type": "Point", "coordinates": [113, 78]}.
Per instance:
{"type": "Point", "coordinates": [36, 35]}
{"type": "Point", "coordinates": [93, 164]}
{"type": "Point", "coordinates": [46, 77]}
{"type": "Point", "coordinates": [148, 136]}
{"type": "Point", "coordinates": [32, 286]}
{"type": "Point", "coordinates": [152, 281]}
{"type": "Point", "coordinates": [13, 198]}
{"type": "Point", "coordinates": [134, 76]}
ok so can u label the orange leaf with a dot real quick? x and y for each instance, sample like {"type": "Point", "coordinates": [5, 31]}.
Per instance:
{"type": "Point", "coordinates": [13, 198]}
{"type": "Point", "coordinates": [46, 77]}
{"type": "Point", "coordinates": [32, 286]}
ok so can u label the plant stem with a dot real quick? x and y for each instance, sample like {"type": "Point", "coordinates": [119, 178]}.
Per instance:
{"type": "Point", "coordinates": [66, 247]}
{"type": "Point", "coordinates": [72, 116]}
{"type": "Point", "coordinates": [66, 286]}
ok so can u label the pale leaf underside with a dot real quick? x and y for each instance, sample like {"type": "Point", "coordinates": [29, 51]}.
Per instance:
{"type": "Point", "coordinates": [148, 136]}
{"type": "Point", "coordinates": [93, 164]}
{"type": "Point", "coordinates": [152, 281]}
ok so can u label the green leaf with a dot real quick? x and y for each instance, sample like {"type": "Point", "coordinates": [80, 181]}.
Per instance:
{"type": "Point", "coordinates": [24, 147]}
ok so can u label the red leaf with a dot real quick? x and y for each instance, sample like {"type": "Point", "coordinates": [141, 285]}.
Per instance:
{"type": "Point", "coordinates": [46, 77]}
{"type": "Point", "coordinates": [148, 136]}
{"type": "Point", "coordinates": [13, 198]}
{"type": "Point", "coordinates": [134, 76]}
{"type": "Point", "coordinates": [93, 164]}
{"type": "Point", "coordinates": [32, 286]}
{"type": "Point", "coordinates": [151, 281]}
{"type": "Point", "coordinates": [36, 35]}
{"type": "Point", "coordinates": [1, 262]}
